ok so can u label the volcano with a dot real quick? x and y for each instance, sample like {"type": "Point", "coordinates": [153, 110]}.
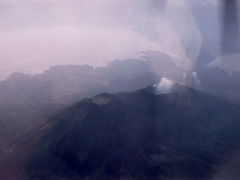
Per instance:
{"type": "Point", "coordinates": [183, 134]}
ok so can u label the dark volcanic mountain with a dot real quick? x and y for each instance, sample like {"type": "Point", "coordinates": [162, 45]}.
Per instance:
{"type": "Point", "coordinates": [27, 101]}
{"type": "Point", "coordinates": [140, 135]}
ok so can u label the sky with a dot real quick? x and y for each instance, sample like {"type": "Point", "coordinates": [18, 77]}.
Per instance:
{"type": "Point", "coordinates": [37, 34]}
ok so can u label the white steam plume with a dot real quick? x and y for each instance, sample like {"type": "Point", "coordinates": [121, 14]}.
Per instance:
{"type": "Point", "coordinates": [164, 86]}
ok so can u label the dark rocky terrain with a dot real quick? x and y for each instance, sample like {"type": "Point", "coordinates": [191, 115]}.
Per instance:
{"type": "Point", "coordinates": [140, 135]}
{"type": "Point", "coordinates": [28, 101]}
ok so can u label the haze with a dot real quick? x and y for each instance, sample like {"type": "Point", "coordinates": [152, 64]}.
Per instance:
{"type": "Point", "coordinates": [36, 34]}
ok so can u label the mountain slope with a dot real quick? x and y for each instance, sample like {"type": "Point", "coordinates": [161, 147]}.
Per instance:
{"type": "Point", "coordinates": [26, 101]}
{"type": "Point", "coordinates": [184, 134]}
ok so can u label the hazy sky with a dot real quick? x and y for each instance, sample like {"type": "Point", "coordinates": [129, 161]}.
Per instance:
{"type": "Point", "coordinates": [36, 34]}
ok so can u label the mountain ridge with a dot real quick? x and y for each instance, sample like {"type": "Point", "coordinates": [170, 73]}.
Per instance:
{"type": "Point", "coordinates": [139, 135]}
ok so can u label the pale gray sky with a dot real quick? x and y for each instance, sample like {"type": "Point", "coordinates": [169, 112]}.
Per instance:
{"type": "Point", "coordinates": [36, 34]}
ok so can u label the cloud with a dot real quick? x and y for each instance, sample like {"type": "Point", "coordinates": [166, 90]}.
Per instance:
{"type": "Point", "coordinates": [164, 86]}
{"type": "Point", "coordinates": [40, 48]}
{"type": "Point", "coordinates": [36, 34]}
{"type": "Point", "coordinates": [195, 77]}
{"type": "Point", "coordinates": [229, 63]}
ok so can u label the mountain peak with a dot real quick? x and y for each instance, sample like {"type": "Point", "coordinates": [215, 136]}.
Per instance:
{"type": "Point", "coordinates": [126, 135]}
